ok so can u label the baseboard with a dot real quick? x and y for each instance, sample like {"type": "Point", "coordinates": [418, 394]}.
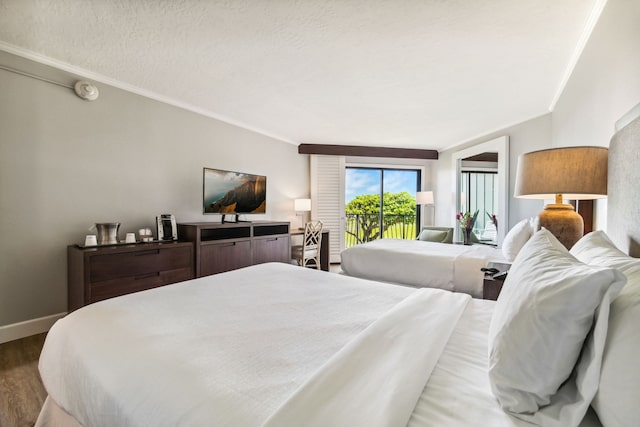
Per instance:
{"type": "Point", "coordinates": [27, 328]}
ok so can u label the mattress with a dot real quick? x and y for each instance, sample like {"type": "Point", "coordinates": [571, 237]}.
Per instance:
{"type": "Point", "coordinates": [421, 264]}
{"type": "Point", "coordinates": [273, 345]}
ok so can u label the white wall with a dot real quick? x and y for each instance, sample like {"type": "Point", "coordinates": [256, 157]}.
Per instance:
{"type": "Point", "coordinates": [606, 81]}
{"type": "Point", "coordinates": [534, 134]}
{"type": "Point", "coordinates": [66, 163]}
{"type": "Point", "coordinates": [604, 85]}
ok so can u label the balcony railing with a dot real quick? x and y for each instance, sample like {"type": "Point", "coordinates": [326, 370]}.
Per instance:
{"type": "Point", "coordinates": [361, 228]}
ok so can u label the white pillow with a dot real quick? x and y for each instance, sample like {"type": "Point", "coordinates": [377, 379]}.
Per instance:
{"type": "Point", "coordinates": [547, 333]}
{"type": "Point", "coordinates": [616, 401]}
{"type": "Point", "coordinates": [597, 248]}
{"type": "Point", "coordinates": [515, 239]}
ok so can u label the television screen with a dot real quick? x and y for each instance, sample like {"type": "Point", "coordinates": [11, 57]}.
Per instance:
{"type": "Point", "coordinates": [226, 192]}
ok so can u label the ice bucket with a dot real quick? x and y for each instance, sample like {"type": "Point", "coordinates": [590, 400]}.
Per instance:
{"type": "Point", "coordinates": [107, 232]}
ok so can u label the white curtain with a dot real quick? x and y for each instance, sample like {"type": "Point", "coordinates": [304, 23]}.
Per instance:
{"type": "Point", "coordinates": [327, 199]}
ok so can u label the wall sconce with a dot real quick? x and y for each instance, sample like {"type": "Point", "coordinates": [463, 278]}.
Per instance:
{"type": "Point", "coordinates": [573, 173]}
{"type": "Point", "coordinates": [302, 206]}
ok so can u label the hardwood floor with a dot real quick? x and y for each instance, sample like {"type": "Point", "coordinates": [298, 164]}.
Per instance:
{"type": "Point", "coordinates": [21, 391]}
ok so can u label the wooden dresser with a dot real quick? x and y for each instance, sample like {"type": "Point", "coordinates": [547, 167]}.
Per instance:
{"type": "Point", "coordinates": [98, 273]}
{"type": "Point", "coordinates": [224, 247]}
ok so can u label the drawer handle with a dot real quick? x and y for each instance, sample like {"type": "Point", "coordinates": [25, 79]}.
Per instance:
{"type": "Point", "coordinates": [146, 276]}
{"type": "Point", "coordinates": [228, 244]}
{"type": "Point", "coordinates": [275, 239]}
{"type": "Point", "coordinates": [149, 252]}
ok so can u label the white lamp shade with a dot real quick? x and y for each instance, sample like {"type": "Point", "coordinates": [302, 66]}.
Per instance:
{"type": "Point", "coordinates": [576, 173]}
{"type": "Point", "coordinates": [302, 205]}
{"type": "Point", "coordinates": [573, 173]}
{"type": "Point", "coordinates": [424, 197]}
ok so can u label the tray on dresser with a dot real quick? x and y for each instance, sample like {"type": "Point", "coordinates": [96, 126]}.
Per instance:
{"type": "Point", "coordinates": [122, 243]}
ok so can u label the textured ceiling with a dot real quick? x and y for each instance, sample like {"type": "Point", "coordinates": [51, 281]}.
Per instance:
{"type": "Point", "coordinates": [403, 73]}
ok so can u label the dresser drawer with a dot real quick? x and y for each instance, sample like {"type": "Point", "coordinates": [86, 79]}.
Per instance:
{"type": "Point", "coordinates": [220, 257]}
{"type": "Point", "coordinates": [98, 273]}
{"type": "Point", "coordinates": [116, 287]}
{"type": "Point", "coordinates": [272, 249]}
{"type": "Point", "coordinates": [139, 263]}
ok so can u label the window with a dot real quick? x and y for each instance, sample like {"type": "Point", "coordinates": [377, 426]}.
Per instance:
{"type": "Point", "coordinates": [380, 202]}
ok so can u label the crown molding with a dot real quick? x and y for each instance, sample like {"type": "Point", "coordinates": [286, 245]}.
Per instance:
{"type": "Point", "coordinates": [87, 74]}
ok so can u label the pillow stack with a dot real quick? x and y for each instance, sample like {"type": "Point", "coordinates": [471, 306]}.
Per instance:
{"type": "Point", "coordinates": [617, 401]}
{"type": "Point", "coordinates": [516, 238]}
{"type": "Point", "coordinates": [548, 333]}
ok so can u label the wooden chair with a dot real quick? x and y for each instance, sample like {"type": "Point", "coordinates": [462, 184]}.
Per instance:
{"type": "Point", "coordinates": [308, 254]}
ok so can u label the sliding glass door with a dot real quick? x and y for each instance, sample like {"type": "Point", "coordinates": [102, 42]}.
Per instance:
{"type": "Point", "coordinates": [380, 203]}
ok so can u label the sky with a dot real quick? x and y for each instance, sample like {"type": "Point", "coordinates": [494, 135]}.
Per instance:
{"type": "Point", "coordinates": [367, 181]}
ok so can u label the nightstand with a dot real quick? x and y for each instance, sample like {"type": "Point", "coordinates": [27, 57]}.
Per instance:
{"type": "Point", "coordinates": [491, 286]}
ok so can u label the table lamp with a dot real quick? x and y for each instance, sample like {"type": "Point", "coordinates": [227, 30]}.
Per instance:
{"type": "Point", "coordinates": [573, 173]}
{"type": "Point", "coordinates": [425, 198]}
{"type": "Point", "coordinates": [302, 206]}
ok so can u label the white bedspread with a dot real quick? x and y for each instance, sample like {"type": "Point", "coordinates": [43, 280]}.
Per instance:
{"type": "Point", "coordinates": [224, 350]}
{"type": "Point", "coordinates": [273, 344]}
{"type": "Point", "coordinates": [377, 378]}
{"type": "Point", "coordinates": [421, 264]}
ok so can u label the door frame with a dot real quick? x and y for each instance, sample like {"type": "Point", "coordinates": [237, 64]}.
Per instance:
{"type": "Point", "coordinates": [498, 145]}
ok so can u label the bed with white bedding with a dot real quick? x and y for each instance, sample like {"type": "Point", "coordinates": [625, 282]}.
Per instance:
{"type": "Point", "coordinates": [273, 345]}
{"type": "Point", "coordinates": [278, 345]}
{"type": "Point", "coordinates": [421, 264]}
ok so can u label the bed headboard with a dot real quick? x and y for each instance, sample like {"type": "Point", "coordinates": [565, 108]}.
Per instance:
{"type": "Point", "coordinates": [623, 204]}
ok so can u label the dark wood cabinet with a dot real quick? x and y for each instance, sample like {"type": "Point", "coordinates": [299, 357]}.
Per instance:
{"type": "Point", "coordinates": [220, 257]}
{"type": "Point", "coordinates": [224, 247]}
{"type": "Point", "coordinates": [101, 272]}
{"type": "Point", "coordinates": [492, 286]}
{"type": "Point", "coordinates": [98, 273]}
{"type": "Point", "coordinates": [273, 248]}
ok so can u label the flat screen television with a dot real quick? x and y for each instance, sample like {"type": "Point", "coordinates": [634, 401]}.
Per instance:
{"type": "Point", "coordinates": [227, 192]}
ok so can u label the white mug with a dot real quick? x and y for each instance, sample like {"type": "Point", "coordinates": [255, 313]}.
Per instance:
{"type": "Point", "coordinates": [130, 238]}
{"type": "Point", "coordinates": [90, 240]}
{"type": "Point", "coordinates": [145, 235]}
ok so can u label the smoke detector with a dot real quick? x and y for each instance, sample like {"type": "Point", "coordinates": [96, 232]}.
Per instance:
{"type": "Point", "coordinates": [86, 90]}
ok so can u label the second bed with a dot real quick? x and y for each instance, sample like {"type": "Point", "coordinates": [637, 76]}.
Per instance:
{"type": "Point", "coordinates": [420, 264]}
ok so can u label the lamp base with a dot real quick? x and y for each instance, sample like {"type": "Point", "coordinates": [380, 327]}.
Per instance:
{"type": "Point", "coordinates": [562, 221]}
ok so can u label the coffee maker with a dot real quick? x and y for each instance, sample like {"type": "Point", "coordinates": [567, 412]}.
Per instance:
{"type": "Point", "coordinates": [167, 228]}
